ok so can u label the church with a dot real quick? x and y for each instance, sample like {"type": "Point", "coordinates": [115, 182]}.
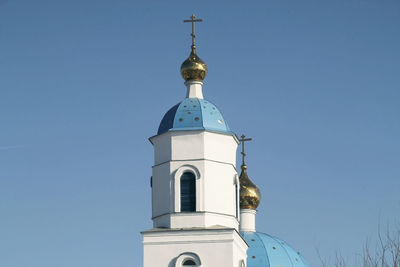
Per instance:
{"type": "Point", "coordinates": [203, 212]}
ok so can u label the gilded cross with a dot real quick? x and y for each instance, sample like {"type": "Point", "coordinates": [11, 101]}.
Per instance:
{"type": "Point", "coordinates": [242, 140]}
{"type": "Point", "coordinates": [193, 20]}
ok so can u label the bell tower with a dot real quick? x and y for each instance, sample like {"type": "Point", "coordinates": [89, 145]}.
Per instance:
{"type": "Point", "coordinates": [195, 186]}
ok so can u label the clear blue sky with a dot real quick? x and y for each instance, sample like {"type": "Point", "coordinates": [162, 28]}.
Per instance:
{"type": "Point", "coordinates": [83, 84]}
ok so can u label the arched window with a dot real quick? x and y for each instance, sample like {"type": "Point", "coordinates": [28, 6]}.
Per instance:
{"type": "Point", "coordinates": [188, 192]}
{"type": "Point", "coordinates": [188, 259]}
{"type": "Point", "coordinates": [189, 263]}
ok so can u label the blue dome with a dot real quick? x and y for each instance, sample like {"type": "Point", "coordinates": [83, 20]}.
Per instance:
{"type": "Point", "coordinates": [193, 114]}
{"type": "Point", "coordinates": [267, 251]}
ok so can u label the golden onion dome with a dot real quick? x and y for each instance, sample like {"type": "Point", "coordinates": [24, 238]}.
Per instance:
{"type": "Point", "coordinates": [249, 193]}
{"type": "Point", "coordinates": [193, 68]}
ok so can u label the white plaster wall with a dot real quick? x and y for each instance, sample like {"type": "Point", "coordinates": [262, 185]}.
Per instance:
{"type": "Point", "coordinates": [213, 247]}
{"type": "Point", "coordinates": [220, 147]}
{"type": "Point", "coordinates": [185, 145]}
{"type": "Point", "coordinates": [248, 220]}
{"type": "Point", "coordinates": [215, 194]}
{"type": "Point", "coordinates": [162, 148]}
{"type": "Point", "coordinates": [219, 188]}
{"type": "Point", "coordinates": [194, 89]}
{"type": "Point", "coordinates": [166, 186]}
{"type": "Point", "coordinates": [212, 158]}
{"type": "Point", "coordinates": [181, 220]}
{"type": "Point", "coordinates": [161, 192]}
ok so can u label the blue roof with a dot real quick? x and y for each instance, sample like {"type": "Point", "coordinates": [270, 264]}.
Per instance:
{"type": "Point", "coordinates": [268, 251]}
{"type": "Point", "coordinates": [193, 114]}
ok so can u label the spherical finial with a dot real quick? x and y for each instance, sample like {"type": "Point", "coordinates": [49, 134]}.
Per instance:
{"type": "Point", "coordinates": [193, 68]}
{"type": "Point", "coordinates": [249, 193]}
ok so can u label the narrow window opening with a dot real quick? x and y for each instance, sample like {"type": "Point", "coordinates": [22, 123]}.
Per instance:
{"type": "Point", "coordinates": [188, 192]}
{"type": "Point", "coordinates": [189, 263]}
{"type": "Point", "coordinates": [236, 200]}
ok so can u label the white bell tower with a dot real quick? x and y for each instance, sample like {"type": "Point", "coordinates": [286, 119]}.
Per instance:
{"type": "Point", "coordinates": [195, 186]}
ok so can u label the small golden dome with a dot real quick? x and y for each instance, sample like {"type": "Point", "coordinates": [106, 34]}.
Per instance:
{"type": "Point", "coordinates": [193, 68]}
{"type": "Point", "coordinates": [249, 193]}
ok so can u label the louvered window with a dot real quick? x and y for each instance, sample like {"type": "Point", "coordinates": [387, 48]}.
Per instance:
{"type": "Point", "coordinates": [188, 192]}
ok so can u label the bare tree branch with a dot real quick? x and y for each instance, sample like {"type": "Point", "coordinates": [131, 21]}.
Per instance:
{"type": "Point", "coordinates": [386, 252]}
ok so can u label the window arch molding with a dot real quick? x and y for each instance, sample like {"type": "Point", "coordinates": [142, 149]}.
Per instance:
{"type": "Point", "coordinates": [236, 182]}
{"type": "Point", "coordinates": [177, 186]}
{"type": "Point", "coordinates": [187, 256]}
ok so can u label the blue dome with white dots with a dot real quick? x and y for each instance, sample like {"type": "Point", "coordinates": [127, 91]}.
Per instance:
{"type": "Point", "coordinates": [268, 251]}
{"type": "Point", "coordinates": [193, 114]}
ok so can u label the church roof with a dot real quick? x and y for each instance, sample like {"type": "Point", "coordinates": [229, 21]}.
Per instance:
{"type": "Point", "coordinates": [193, 114]}
{"type": "Point", "coordinates": [268, 251]}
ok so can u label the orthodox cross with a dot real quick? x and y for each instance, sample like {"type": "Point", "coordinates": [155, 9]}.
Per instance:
{"type": "Point", "coordinates": [242, 140]}
{"type": "Point", "coordinates": [193, 20]}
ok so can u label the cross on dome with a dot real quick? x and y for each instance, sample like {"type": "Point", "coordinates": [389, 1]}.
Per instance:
{"type": "Point", "coordinates": [242, 140]}
{"type": "Point", "coordinates": [193, 20]}
{"type": "Point", "coordinates": [193, 68]}
{"type": "Point", "coordinates": [249, 193]}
